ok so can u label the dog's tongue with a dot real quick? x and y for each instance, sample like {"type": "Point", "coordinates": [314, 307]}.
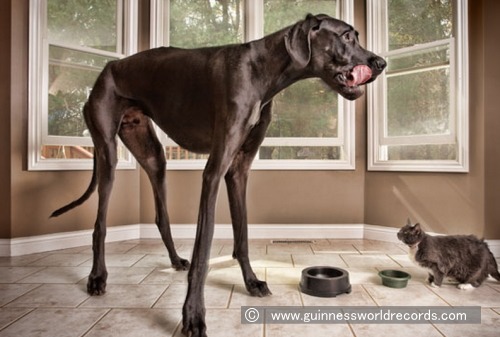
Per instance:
{"type": "Point", "coordinates": [359, 75]}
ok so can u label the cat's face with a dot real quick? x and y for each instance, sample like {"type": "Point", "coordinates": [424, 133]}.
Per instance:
{"type": "Point", "coordinates": [410, 234]}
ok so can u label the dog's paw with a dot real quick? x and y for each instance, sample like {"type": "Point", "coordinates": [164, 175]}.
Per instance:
{"type": "Point", "coordinates": [96, 285]}
{"type": "Point", "coordinates": [258, 288]}
{"type": "Point", "coordinates": [465, 286]}
{"type": "Point", "coordinates": [193, 321]}
{"type": "Point", "coordinates": [180, 264]}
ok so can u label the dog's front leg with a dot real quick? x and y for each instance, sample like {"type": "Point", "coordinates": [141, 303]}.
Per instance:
{"type": "Point", "coordinates": [193, 313]}
{"type": "Point", "coordinates": [236, 181]}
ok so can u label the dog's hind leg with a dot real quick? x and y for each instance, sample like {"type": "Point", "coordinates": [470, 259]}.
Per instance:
{"type": "Point", "coordinates": [102, 114]}
{"type": "Point", "coordinates": [138, 135]}
{"type": "Point", "coordinates": [236, 182]}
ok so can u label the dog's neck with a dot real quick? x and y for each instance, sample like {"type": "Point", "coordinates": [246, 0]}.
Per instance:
{"type": "Point", "coordinates": [282, 65]}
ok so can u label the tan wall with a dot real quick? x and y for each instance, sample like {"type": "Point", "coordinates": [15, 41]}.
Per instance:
{"type": "Point", "coordinates": [455, 203]}
{"type": "Point", "coordinates": [5, 69]}
{"type": "Point", "coordinates": [492, 117]}
{"type": "Point", "coordinates": [35, 195]}
{"type": "Point", "coordinates": [448, 203]}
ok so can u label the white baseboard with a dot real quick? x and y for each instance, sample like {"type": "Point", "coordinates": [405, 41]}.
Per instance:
{"type": "Point", "coordinates": [50, 242]}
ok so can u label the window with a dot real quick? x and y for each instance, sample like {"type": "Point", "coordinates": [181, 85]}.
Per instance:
{"type": "Point", "coordinates": [70, 43]}
{"type": "Point", "coordinates": [312, 127]}
{"type": "Point", "coordinates": [418, 108]}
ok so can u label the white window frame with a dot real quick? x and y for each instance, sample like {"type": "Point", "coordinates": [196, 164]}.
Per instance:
{"type": "Point", "coordinates": [254, 29]}
{"type": "Point", "coordinates": [459, 98]}
{"type": "Point", "coordinates": [38, 87]}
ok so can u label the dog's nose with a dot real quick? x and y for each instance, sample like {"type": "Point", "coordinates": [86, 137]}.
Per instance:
{"type": "Point", "coordinates": [379, 63]}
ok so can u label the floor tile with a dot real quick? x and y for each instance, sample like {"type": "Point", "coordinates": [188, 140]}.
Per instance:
{"type": "Point", "coordinates": [358, 297]}
{"type": "Point", "coordinates": [363, 275]}
{"type": "Point", "coordinates": [126, 296]}
{"type": "Point", "coordinates": [232, 275]}
{"type": "Point", "coordinates": [258, 248]}
{"type": "Point", "coordinates": [118, 260]}
{"type": "Point", "coordinates": [57, 275]}
{"type": "Point", "coordinates": [123, 275]}
{"type": "Point", "coordinates": [403, 260]}
{"type": "Point", "coordinates": [227, 323]}
{"type": "Point", "coordinates": [327, 259]}
{"type": "Point", "coordinates": [378, 247]}
{"type": "Point", "coordinates": [377, 330]}
{"type": "Point", "coordinates": [289, 248]}
{"type": "Point", "coordinates": [62, 260]}
{"type": "Point", "coordinates": [216, 296]}
{"type": "Point", "coordinates": [336, 247]}
{"type": "Point", "coordinates": [14, 274]}
{"type": "Point", "coordinates": [153, 260]}
{"type": "Point", "coordinates": [271, 261]}
{"type": "Point", "coordinates": [137, 322]}
{"type": "Point", "coordinates": [44, 294]}
{"type": "Point", "coordinates": [155, 247]}
{"type": "Point", "coordinates": [282, 295]}
{"type": "Point", "coordinates": [490, 323]}
{"type": "Point", "coordinates": [165, 276]}
{"type": "Point", "coordinates": [283, 275]}
{"type": "Point", "coordinates": [369, 261]}
{"type": "Point", "coordinates": [10, 315]}
{"type": "Point", "coordinates": [483, 296]}
{"type": "Point", "coordinates": [53, 295]}
{"type": "Point", "coordinates": [18, 261]}
{"type": "Point", "coordinates": [412, 295]}
{"type": "Point", "coordinates": [9, 292]}
{"type": "Point", "coordinates": [54, 323]}
{"type": "Point", "coordinates": [281, 330]}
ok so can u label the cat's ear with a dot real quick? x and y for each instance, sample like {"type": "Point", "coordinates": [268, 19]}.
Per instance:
{"type": "Point", "coordinates": [408, 221]}
{"type": "Point", "coordinates": [416, 226]}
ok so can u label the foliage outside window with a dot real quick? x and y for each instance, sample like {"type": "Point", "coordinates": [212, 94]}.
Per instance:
{"type": "Point", "coordinates": [70, 43]}
{"type": "Point", "coordinates": [311, 126]}
{"type": "Point", "coordinates": [418, 109]}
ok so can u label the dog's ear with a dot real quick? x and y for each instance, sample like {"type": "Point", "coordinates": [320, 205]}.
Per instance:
{"type": "Point", "coordinates": [298, 40]}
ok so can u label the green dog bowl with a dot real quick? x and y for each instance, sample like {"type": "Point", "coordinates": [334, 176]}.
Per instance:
{"type": "Point", "coordinates": [394, 278]}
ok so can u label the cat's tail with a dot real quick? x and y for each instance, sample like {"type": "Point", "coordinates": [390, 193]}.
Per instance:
{"type": "Point", "coordinates": [493, 268]}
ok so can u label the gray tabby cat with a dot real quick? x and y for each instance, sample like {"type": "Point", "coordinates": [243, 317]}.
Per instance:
{"type": "Point", "coordinates": [462, 257]}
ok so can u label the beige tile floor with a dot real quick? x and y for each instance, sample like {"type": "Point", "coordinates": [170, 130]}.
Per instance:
{"type": "Point", "coordinates": [44, 294]}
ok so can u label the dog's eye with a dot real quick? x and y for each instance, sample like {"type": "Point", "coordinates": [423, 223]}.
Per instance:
{"type": "Point", "coordinates": [347, 37]}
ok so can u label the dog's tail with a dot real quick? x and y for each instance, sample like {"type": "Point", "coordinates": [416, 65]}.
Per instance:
{"type": "Point", "coordinates": [83, 198]}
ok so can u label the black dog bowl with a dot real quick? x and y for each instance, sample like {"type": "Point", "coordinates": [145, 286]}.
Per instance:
{"type": "Point", "coordinates": [325, 281]}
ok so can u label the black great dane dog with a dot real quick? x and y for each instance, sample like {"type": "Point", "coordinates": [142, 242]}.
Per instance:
{"type": "Point", "coordinates": [209, 100]}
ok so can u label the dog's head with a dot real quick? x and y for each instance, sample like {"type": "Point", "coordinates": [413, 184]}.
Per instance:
{"type": "Point", "coordinates": [329, 49]}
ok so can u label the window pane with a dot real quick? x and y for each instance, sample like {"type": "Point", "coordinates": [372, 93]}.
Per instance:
{"type": "Point", "coordinates": [178, 153]}
{"type": "Point", "coordinates": [423, 152]}
{"type": "Point", "coordinates": [301, 152]}
{"type": "Point", "coordinates": [195, 24]}
{"type": "Point", "coordinates": [418, 103]}
{"type": "Point", "coordinates": [418, 60]}
{"type": "Point", "coordinates": [90, 23]}
{"type": "Point", "coordinates": [308, 108]}
{"type": "Point", "coordinates": [281, 13]}
{"type": "Point", "coordinates": [418, 21]}
{"type": "Point", "coordinates": [77, 152]}
{"type": "Point", "coordinates": [71, 77]}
